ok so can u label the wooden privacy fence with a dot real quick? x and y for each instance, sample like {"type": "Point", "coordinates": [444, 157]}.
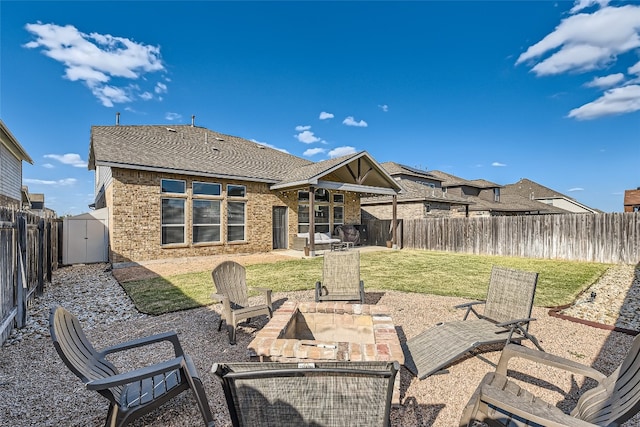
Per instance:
{"type": "Point", "coordinates": [28, 256]}
{"type": "Point", "coordinates": [608, 238]}
{"type": "Point", "coordinates": [379, 231]}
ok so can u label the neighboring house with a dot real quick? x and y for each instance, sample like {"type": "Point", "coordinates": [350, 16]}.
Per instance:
{"type": "Point", "coordinates": [34, 203]}
{"type": "Point", "coordinates": [11, 157]}
{"type": "Point", "coordinates": [428, 194]}
{"type": "Point", "coordinates": [534, 191]}
{"type": "Point", "coordinates": [632, 200]}
{"type": "Point", "coordinates": [422, 196]}
{"type": "Point", "coordinates": [177, 191]}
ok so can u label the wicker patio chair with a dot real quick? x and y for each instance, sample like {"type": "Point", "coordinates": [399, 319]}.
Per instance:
{"type": "Point", "coordinates": [272, 394]}
{"type": "Point", "coordinates": [499, 401]}
{"type": "Point", "coordinates": [340, 278]}
{"type": "Point", "coordinates": [130, 394]}
{"type": "Point", "coordinates": [229, 279]}
{"type": "Point", "coordinates": [505, 318]}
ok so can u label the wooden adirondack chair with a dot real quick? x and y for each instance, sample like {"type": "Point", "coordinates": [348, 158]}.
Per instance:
{"type": "Point", "coordinates": [499, 401]}
{"type": "Point", "coordinates": [328, 394]}
{"type": "Point", "coordinates": [229, 279]}
{"type": "Point", "coordinates": [130, 394]}
{"type": "Point", "coordinates": [340, 278]}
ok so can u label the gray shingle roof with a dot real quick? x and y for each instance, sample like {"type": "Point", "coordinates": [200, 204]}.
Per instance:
{"type": "Point", "coordinates": [531, 190]}
{"type": "Point", "coordinates": [190, 150]}
{"type": "Point", "coordinates": [449, 180]}
{"type": "Point", "coordinates": [414, 191]}
{"type": "Point", "coordinates": [394, 168]}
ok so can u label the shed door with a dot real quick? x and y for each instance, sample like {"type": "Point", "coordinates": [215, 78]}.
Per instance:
{"type": "Point", "coordinates": [86, 242]}
{"type": "Point", "coordinates": [279, 227]}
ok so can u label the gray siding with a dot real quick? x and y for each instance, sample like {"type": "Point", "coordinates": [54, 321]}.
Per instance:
{"type": "Point", "coordinates": [103, 178]}
{"type": "Point", "coordinates": [10, 174]}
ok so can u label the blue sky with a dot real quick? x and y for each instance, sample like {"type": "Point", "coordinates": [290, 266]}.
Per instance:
{"type": "Point", "coordinates": [501, 90]}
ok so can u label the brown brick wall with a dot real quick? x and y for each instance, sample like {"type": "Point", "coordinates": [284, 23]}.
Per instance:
{"type": "Point", "coordinates": [134, 200]}
{"type": "Point", "coordinates": [417, 210]}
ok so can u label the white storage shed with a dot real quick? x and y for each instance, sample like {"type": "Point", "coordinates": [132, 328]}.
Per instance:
{"type": "Point", "coordinates": [86, 238]}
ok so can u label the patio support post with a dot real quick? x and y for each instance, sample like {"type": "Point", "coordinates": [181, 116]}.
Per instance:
{"type": "Point", "coordinates": [394, 237]}
{"type": "Point", "coordinates": [312, 222]}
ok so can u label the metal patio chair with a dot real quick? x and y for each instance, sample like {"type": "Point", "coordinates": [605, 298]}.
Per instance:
{"type": "Point", "coordinates": [328, 394]}
{"type": "Point", "coordinates": [340, 278]}
{"type": "Point", "coordinates": [505, 318]}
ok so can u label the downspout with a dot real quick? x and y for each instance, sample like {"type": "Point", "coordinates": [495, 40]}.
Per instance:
{"type": "Point", "coordinates": [312, 222]}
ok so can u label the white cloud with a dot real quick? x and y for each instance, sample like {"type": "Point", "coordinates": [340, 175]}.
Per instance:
{"type": "Point", "coordinates": [586, 42]}
{"type": "Point", "coordinates": [498, 164]}
{"type": "Point", "coordinates": [619, 100]}
{"type": "Point", "coordinates": [324, 115]}
{"type": "Point", "coordinates": [160, 88]}
{"type": "Point", "coordinates": [172, 116]}
{"type": "Point", "coordinates": [95, 59]}
{"type": "Point", "coordinates": [350, 121]}
{"type": "Point", "coordinates": [110, 94]}
{"type": "Point", "coordinates": [384, 107]}
{"type": "Point", "coordinates": [313, 151]}
{"type": "Point", "coordinates": [270, 146]}
{"type": "Point", "coordinates": [307, 137]}
{"type": "Point", "coordinates": [60, 182]}
{"type": "Point", "coordinates": [68, 159]}
{"type": "Point", "coordinates": [606, 81]}
{"type": "Point", "coordinates": [146, 96]}
{"type": "Point", "coordinates": [341, 151]}
{"type": "Point", "coordinates": [48, 166]}
{"type": "Point", "coordinates": [571, 190]}
{"type": "Point", "coordinates": [302, 128]}
{"type": "Point", "coordinates": [590, 41]}
{"type": "Point", "coordinates": [583, 4]}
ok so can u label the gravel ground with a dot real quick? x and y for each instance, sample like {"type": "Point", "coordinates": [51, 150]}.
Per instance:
{"type": "Point", "coordinates": [36, 389]}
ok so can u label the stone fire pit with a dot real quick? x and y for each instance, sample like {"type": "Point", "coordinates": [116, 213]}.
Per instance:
{"type": "Point", "coordinates": [310, 331]}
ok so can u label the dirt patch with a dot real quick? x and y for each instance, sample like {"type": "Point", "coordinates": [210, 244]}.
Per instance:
{"type": "Point", "coordinates": [171, 267]}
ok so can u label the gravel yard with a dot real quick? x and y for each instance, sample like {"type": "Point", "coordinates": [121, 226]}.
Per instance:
{"type": "Point", "coordinates": [36, 389]}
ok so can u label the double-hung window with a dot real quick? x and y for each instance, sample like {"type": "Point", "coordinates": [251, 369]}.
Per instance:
{"type": "Point", "coordinates": [207, 199]}
{"type": "Point", "coordinates": [338, 210]}
{"type": "Point", "coordinates": [173, 211]}
{"type": "Point", "coordinates": [236, 213]}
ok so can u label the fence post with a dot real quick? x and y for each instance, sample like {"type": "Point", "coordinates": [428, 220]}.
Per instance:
{"type": "Point", "coordinates": [40, 288]}
{"type": "Point", "coordinates": [49, 251]}
{"type": "Point", "coordinates": [21, 317]}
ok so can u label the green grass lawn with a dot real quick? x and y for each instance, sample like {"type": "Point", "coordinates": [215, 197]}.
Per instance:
{"type": "Point", "coordinates": [437, 273]}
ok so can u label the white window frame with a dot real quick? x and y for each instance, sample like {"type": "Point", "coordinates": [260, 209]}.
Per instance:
{"type": "Point", "coordinates": [244, 222]}
{"type": "Point", "coordinates": [182, 225]}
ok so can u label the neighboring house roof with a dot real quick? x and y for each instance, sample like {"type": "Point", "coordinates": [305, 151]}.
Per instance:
{"type": "Point", "coordinates": [507, 204]}
{"type": "Point", "coordinates": [449, 180]}
{"type": "Point", "coordinates": [632, 197]}
{"type": "Point", "coordinates": [198, 151]}
{"type": "Point", "coordinates": [532, 190]}
{"type": "Point", "coordinates": [394, 169]}
{"type": "Point", "coordinates": [416, 192]}
{"type": "Point", "coordinates": [12, 144]}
